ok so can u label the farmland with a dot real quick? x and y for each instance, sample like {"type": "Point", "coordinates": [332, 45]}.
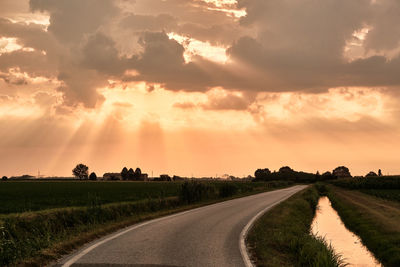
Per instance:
{"type": "Point", "coordinates": [390, 194]}
{"type": "Point", "coordinates": [42, 220]}
{"type": "Point", "coordinates": [23, 196]}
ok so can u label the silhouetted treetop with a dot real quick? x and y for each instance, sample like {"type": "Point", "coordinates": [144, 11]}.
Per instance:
{"type": "Point", "coordinates": [93, 176]}
{"type": "Point", "coordinates": [341, 172]}
{"type": "Point", "coordinates": [124, 174]}
{"type": "Point", "coordinates": [81, 171]}
{"type": "Point", "coordinates": [371, 174]}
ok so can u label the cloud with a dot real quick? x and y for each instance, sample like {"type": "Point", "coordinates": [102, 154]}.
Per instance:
{"type": "Point", "coordinates": [122, 104]}
{"type": "Point", "coordinates": [184, 105]}
{"type": "Point", "coordinates": [226, 102]}
{"type": "Point", "coordinates": [279, 46]}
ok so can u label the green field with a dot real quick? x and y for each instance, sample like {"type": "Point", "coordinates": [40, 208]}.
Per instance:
{"type": "Point", "coordinates": [66, 214]}
{"type": "Point", "coordinates": [384, 182]}
{"type": "Point", "coordinates": [23, 196]}
{"type": "Point", "coordinates": [390, 194]}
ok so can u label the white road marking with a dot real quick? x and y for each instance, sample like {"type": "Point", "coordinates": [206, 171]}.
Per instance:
{"type": "Point", "coordinates": [243, 249]}
{"type": "Point", "coordinates": [242, 239]}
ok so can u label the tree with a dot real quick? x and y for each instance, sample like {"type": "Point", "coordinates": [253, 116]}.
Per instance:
{"type": "Point", "coordinates": [4, 178]}
{"type": "Point", "coordinates": [93, 176]}
{"type": "Point", "coordinates": [286, 169]}
{"type": "Point", "coordinates": [124, 174]}
{"type": "Point", "coordinates": [138, 173]}
{"type": "Point", "coordinates": [81, 171]}
{"type": "Point", "coordinates": [341, 171]}
{"type": "Point", "coordinates": [131, 174]}
{"type": "Point", "coordinates": [371, 174]}
{"type": "Point", "coordinates": [379, 172]}
{"type": "Point", "coordinates": [327, 176]}
{"type": "Point", "coordinates": [261, 173]}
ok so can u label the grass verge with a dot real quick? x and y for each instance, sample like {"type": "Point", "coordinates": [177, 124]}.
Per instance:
{"type": "Point", "coordinates": [37, 238]}
{"type": "Point", "coordinates": [374, 220]}
{"type": "Point", "coordinates": [281, 237]}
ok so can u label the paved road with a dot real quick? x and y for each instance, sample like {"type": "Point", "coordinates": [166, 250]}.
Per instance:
{"type": "Point", "coordinates": [206, 236]}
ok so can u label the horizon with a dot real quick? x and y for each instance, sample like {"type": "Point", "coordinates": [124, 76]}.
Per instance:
{"type": "Point", "coordinates": [199, 87]}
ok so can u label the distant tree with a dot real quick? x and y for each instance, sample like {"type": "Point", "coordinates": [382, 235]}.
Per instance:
{"type": "Point", "coordinates": [327, 176]}
{"type": "Point", "coordinates": [81, 171]}
{"type": "Point", "coordinates": [4, 178]}
{"type": "Point", "coordinates": [371, 174]}
{"type": "Point", "coordinates": [260, 173]}
{"type": "Point", "coordinates": [124, 174]}
{"type": "Point", "coordinates": [93, 176]}
{"type": "Point", "coordinates": [379, 172]}
{"type": "Point", "coordinates": [286, 169]}
{"type": "Point", "coordinates": [131, 174]}
{"type": "Point", "coordinates": [138, 173]}
{"type": "Point", "coordinates": [341, 172]}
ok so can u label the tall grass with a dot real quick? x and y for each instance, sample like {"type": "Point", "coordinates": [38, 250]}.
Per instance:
{"type": "Point", "coordinates": [282, 237]}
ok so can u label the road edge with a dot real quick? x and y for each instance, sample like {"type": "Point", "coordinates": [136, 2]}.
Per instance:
{"type": "Point", "coordinates": [243, 235]}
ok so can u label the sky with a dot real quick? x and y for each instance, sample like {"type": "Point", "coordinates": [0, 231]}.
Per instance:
{"type": "Point", "coordinates": [199, 87]}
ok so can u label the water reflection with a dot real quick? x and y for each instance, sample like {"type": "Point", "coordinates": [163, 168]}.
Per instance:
{"type": "Point", "coordinates": [328, 224]}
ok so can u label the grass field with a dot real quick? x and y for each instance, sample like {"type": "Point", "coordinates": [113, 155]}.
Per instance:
{"type": "Point", "coordinates": [281, 237]}
{"type": "Point", "coordinates": [23, 196]}
{"type": "Point", "coordinates": [384, 182]}
{"type": "Point", "coordinates": [390, 194]}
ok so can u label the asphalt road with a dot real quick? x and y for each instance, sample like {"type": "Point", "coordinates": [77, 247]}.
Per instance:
{"type": "Point", "coordinates": [207, 236]}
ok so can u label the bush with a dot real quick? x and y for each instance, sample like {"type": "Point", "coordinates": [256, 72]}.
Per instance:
{"type": "Point", "coordinates": [228, 190]}
{"type": "Point", "coordinates": [194, 191]}
{"type": "Point", "coordinates": [93, 176]}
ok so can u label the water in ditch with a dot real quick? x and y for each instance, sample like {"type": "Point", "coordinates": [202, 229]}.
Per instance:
{"type": "Point", "coordinates": [328, 224]}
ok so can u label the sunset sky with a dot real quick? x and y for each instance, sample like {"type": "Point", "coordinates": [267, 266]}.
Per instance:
{"type": "Point", "coordinates": [199, 87]}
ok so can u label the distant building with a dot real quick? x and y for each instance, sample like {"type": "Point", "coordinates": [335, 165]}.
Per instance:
{"type": "Point", "coordinates": [163, 178]}
{"type": "Point", "coordinates": [144, 177]}
{"type": "Point", "coordinates": [112, 176]}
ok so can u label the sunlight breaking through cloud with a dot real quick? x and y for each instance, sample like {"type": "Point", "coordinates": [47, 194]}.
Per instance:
{"type": "Point", "coordinates": [195, 47]}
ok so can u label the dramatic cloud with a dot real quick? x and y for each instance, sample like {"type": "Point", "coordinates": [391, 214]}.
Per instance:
{"type": "Point", "coordinates": [283, 70]}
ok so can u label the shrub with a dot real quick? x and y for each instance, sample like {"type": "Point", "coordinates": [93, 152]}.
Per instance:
{"type": "Point", "coordinates": [194, 191]}
{"type": "Point", "coordinates": [93, 176]}
{"type": "Point", "coordinates": [227, 190]}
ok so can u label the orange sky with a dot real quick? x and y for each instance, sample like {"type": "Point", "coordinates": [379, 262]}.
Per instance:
{"type": "Point", "coordinates": [203, 88]}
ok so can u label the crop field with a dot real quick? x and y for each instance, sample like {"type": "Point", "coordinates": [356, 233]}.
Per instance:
{"type": "Point", "coordinates": [52, 227]}
{"type": "Point", "coordinates": [22, 196]}
{"type": "Point", "coordinates": [390, 194]}
{"type": "Point", "coordinates": [384, 182]}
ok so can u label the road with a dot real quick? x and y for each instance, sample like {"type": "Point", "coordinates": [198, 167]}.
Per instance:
{"type": "Point", "coordinates": [207, 236]}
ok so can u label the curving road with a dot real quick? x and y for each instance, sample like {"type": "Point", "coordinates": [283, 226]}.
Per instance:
{"type": "Point", "coordinates": [206, 236]}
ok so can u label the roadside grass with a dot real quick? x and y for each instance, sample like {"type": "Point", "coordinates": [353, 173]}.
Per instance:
{"type": "Point", "coordinates": [376, 221]}
{"type": "Point", "coordinates": [36, 238]}
{"type": "Point", "coordinates": [281, 237]}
